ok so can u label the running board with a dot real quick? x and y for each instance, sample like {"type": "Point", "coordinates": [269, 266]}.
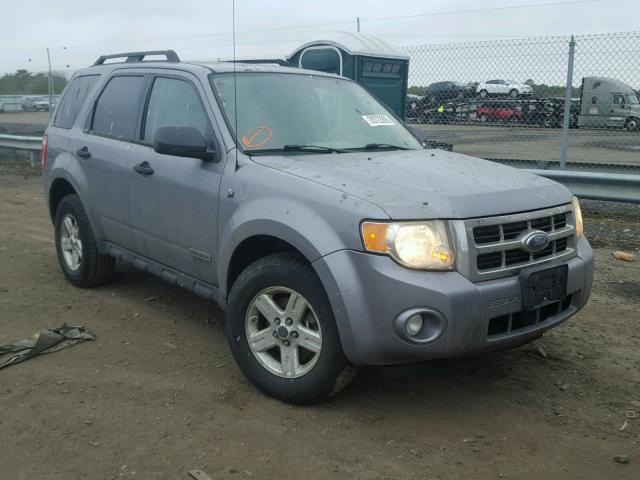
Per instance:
{"type": "Point", "coordinates": [169, 275]}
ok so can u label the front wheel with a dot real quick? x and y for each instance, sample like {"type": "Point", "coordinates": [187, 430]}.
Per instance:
{"type": "Point", "coordinates": [484, 94]}
{"type": "Point", "coordinates": [282, 332]}
{"type": "Point", "coordinates": [513, 93]}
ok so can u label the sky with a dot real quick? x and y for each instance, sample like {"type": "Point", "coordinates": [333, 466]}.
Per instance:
{"type": "Point", "coordinates": [78, 31]}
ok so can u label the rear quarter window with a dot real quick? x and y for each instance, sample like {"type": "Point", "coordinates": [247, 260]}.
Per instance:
{"type": "Point", "coordinates": [73, 99]}
{"type": "Point", "coordinates": [118, 107]}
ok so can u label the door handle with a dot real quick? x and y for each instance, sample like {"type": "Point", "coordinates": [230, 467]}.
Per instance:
{"type": "Point", "coordinates": [143, 168]}
{"type": "Point", "coordinates": [83, 152]}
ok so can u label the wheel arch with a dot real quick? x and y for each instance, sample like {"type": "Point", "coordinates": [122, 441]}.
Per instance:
{"type": "Point", "coordinates": [252, 249]}
{"type": "Point", "coordinates": [60, 188]}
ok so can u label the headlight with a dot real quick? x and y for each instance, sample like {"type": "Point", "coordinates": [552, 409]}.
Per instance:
{"type": "Point", "coordinates": [421, 245]}
{"type": "Point", "coordinates": [577, 214]}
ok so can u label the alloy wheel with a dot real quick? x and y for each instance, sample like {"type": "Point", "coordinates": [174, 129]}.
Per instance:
{"type": "Point", "coordinates": [70, 242]}
{"type": "Point", "coordinates": [283, 332]}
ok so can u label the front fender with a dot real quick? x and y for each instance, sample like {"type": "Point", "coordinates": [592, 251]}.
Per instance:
{"type": "Point", "coordinates": [295, 223]}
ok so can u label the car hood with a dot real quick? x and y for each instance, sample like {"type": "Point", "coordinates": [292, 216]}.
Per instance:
{"type": "Point", "coordinates": [422, 184]}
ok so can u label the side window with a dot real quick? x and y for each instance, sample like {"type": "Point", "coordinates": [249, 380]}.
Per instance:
{"type": "Point", "coordinates": [594, 100]}
{"type": "Point", "coordinates": [321, 59]}
{"type": "Point", "coordinates": [618, 99]}
{"type": "Point", "coordinates": [117, 108]}
{"type": "Point", "coordinates": [73, 100]}
{"type": "Point", "coordinates": [174, 103]}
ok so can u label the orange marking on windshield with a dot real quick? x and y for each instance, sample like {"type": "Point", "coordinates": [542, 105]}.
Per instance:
{"type": "Point", "coordinates": [257, 137]}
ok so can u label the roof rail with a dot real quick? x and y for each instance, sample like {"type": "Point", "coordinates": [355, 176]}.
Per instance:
{"type": "Point", "coordinates": [134, 57]}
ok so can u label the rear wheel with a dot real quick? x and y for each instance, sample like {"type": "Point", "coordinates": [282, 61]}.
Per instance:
{"type": "Point", "coordinates": [484, 94]}
{"type": "Point", "coordinates": [78, 254]}
{"type": "Point", "coordinates": [513, 93]}
{"type": "Point", "coordinates": [282, 332]}
{"type": "Point", "coordinates": [484, 118]}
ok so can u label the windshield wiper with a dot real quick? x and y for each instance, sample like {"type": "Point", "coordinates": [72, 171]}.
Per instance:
{"type": "Point", "coordinates": [305, 148]}
{"type": "Point", "coordinates": [296, 148]}
{"type": "Point", "coordinates": [383, 146]}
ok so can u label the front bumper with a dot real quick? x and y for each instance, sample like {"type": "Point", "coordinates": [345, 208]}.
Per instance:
{"type": "Point", "coordinates": [368, 292]}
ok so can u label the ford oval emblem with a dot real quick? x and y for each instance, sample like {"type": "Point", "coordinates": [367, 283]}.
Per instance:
{"type": "Point", "coordinates": [535, 241]}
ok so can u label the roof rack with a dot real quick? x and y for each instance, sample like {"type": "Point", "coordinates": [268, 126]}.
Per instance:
{"type": "Point", "coordinates": [134, 57]}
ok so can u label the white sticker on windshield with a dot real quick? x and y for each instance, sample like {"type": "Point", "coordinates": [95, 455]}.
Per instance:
{"type": "Point", "coordinates": [378, 120]}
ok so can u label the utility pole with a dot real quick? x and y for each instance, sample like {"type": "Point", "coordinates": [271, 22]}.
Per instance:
{"type": "Point", "coordinates": [50, 84]}
{"type": "Point", "coordinates": [358, 23]}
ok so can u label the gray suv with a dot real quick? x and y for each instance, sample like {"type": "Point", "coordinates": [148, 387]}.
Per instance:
{"type": "Point", "coordinates": [298, 202]}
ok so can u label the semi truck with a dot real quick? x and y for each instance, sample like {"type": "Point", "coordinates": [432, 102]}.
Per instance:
{"type": "Point", "coordinates": [608, 103]}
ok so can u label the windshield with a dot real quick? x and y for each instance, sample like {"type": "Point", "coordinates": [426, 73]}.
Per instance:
{"type": "Point", "coordinates": [277, 110]}
{"type": "Point", "coordinates": [632, 100]}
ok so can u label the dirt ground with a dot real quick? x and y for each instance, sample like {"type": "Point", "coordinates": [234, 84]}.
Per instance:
{"type": "Point", "coordinates": [158, 393]}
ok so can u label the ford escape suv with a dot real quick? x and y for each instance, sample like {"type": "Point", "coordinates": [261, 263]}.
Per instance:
{"type": "Point", "coordinates": [326, 231]}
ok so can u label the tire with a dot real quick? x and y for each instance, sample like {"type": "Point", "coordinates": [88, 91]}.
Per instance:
{"type": "Point", "coordinates": [484, 118]}
{"type": "Point", "coordinates": [271, 282]}
{"type": "Point", "coordinates": [92, 268]}
{"type": "Point", "coordinates": [632, 124]}
{"type": "Point", "coordinates": [484, 94]}
{"type": "Point", "coordinates": [513, 93]}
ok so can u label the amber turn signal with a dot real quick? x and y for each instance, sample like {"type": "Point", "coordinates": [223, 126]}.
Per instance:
{"type": "Point", "coordinates": [374, 236]}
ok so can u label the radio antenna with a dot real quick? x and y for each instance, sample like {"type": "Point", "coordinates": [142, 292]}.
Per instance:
{"type": "Point", "coordinates": [235, 84]}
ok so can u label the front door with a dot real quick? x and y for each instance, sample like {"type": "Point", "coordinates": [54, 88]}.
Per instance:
{"type": "Point", "coordinates": [174, 200]}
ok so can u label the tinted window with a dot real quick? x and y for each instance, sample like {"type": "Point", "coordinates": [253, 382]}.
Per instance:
{"type": "Point", "coordinates": [73, 99]}
{"type": "Point", "coordinates": [322, 59]}
{"type": "Point", "coordinates": [174, 103]}
{"type": "Point", "coordinates": [116, 112]}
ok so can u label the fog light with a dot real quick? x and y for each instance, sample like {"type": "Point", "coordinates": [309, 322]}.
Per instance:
{"type": "Point", "coordinates": [414, 325]}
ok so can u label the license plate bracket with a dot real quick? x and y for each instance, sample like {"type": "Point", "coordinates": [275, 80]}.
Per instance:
{"type": "Point", "coordinates": [543, 287]}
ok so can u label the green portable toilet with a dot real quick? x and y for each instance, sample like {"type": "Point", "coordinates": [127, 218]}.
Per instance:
{"type": "Point", "coordinates": [375, 64]}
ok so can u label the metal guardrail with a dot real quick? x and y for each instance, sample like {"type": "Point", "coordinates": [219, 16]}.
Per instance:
{"type": "Point", "coordinates": [31, 144]}
{"type": "Point", "coordinates": [592, 181]}
{"type": "Point", "coordinates": [596, 184]}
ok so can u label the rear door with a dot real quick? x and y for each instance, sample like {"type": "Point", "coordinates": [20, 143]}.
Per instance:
{"type": "Point", "coordinates": [103, 149]}
{"type": "Point", "coordinates": [174, 210]}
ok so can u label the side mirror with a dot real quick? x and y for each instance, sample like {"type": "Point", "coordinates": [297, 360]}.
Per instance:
{"type": "Point", "coordinates": [182, 142]}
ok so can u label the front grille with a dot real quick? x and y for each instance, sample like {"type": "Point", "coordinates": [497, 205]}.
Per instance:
{"type": "Point", "coordinates": [519, 320]}
{"type": "Point", "coordinates": [495, 247]}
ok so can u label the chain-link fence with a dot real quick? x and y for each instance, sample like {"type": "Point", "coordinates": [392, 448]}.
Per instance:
{"type": "Point", "coordinates": [516, 99]}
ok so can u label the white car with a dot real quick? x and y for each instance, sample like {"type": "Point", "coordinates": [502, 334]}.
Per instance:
{"type": "Point", "coordinates": [503, 87]}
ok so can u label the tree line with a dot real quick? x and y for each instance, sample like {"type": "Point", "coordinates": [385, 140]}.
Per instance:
{"type": "Point", "coordinates": [23, 82]}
